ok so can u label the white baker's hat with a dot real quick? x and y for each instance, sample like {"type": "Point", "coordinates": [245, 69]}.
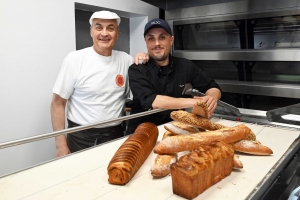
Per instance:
{"type": "Point", "coordinates": [105, 15]}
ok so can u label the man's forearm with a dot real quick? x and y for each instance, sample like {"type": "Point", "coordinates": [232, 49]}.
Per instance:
{"type": "Point", "coordinates": [166, 102]}
{"type": "Point", "coordinates": [58, 120]}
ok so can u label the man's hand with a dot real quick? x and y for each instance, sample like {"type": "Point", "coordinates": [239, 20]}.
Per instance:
{"type": "Point", "coordinates": [61, 146]}
{"type": "Point", "coordinates": [141, 56]}
{"type": "Point", "coordinates": [62, 151]}
{"type": "Point", "coordinates": [211, 103]}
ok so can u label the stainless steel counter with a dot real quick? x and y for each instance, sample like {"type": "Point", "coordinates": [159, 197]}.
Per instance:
{"type": "Point", "coordinates": [83, 175]}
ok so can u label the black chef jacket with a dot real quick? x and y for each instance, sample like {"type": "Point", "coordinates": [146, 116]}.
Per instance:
{"type": "Point", "coordinates": [148, 80]}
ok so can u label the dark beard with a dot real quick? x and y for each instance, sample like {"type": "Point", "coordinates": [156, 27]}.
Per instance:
{"type": "Point", "coordinates": [161, 58]}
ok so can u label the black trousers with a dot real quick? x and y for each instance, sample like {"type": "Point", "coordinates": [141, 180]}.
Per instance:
{"type": "Point", "coordinates": [90, 137]}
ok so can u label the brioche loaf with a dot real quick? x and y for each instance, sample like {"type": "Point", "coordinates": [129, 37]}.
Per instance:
{"type": "Point", "coordinates": [203, 167]}
{"type": "Point", "coordinates": [132, 153]}
{"type": "Point", "coordinates": [251, 147]}
{"type": "Point", "coordinates": [179, 143]}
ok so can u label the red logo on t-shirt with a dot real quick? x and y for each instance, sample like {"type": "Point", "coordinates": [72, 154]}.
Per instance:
{"type": "Point", "coordinates": [119, 80]}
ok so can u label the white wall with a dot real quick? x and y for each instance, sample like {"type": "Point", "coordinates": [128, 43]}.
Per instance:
{"type": "Point", "coordinates": [35, 36]}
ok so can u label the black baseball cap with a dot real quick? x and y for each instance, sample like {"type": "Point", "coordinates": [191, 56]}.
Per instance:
{"type": "Point", "coordinates": [157, 23]}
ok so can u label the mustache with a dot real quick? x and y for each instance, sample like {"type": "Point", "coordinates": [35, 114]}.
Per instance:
{"type": "Point", "coordinates": [158, 48]}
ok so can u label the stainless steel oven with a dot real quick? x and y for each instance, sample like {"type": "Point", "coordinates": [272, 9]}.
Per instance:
{"type": "Point", "coordinates": [251, 48]}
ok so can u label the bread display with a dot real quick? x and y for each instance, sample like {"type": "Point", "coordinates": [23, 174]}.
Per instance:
{"type": "Point", "coordinates": [203, 167]}
{"type": "Point", "coordinates": [132, 153]}
{"type": "Point", "coordinates": [251, 147]}
{"type": "Point", "coordinates": [198, 153]}
{"type": "Point", "coordinates": [179, 143]}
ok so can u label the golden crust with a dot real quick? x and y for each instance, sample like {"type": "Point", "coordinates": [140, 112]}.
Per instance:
{"type": "Point", "coordinates": [203, 167]}
{"type": "Point", "coordinates": [251, 147]}
{"type": "Point", "coordinates": [194, 120]}
{"type": "Point", "coordinates": [132, 154]}
{"type": "Point", "coordinates": [180, 143]}
{"type": "Point", "coordinates": [200, 109]}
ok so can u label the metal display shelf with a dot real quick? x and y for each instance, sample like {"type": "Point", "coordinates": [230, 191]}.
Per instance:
{"type": "Point", "coordinates": [241, 55]}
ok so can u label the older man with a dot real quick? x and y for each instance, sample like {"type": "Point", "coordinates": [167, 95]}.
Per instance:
{"type": "Point", "coordinates": [93, 83]}
{"type": "Point", "coordinates": [160, 82]}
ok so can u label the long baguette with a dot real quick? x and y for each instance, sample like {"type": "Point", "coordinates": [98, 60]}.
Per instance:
{"type": "Point", "coordinates": [180, 143]}
{"type": "Point", "coordinates": [162, 163]}
{"type": "Point", "coordinates": [251, 147]}
{"type": "Point", "coordinates": [181, 128]}
{"type": "Point", "coordinates": [200, 122]}
{"type": "Point", "coordinates": [132, 154]}
{"type": "Point", "coordinates": [195, 120]}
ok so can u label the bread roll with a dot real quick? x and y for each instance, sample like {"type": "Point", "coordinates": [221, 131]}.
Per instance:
{"type": "Point", "coordinates": [251, 147]}
{"type": "Point", "coordinates": [132, 154]}
{"type": "Point", "coordinates": [179, 143]}
{"type": "Point", "coordinates": [194, 120]}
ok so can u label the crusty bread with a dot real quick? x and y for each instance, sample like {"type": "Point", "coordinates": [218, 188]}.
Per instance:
{"type": "Point", "coordinates": [179, 143]}
{"type": "Point", "coordinates": [161, 166]}
{"type": "Point", "coordinates": [195, 120]}
{"type": "Point", "coordinates": [203, 167]}
{"type": "Point", "coordinates": [200, 109]}
{"type": "Point", "coordinates": [181, 128]}
{"type": "Point", "coordinates": [168, 134]}
{"type": "Point", "coordinates": [237, 164]}
{"type": "Point", "coordinates": [251, 147]}
{"type": "Point", "coordinates": [132, 154]}
{"type": "Point", "coordinates": [251, 136]}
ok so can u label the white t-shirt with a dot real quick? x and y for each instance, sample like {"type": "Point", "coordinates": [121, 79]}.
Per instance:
{"type": "Point", "coordinates": [95, 86]}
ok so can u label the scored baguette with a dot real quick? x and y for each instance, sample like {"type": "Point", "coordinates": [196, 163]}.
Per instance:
{"type": "Point", "coordinates": [251, 147]}
{"type": "Point", "coordinates": [181, 128]}
{"type": "Point", "coordinates": [180, 143]}
{"type": "Point", "coordinates": [132, 154]}
{"type": "Point", "coordinates": [195, 120]}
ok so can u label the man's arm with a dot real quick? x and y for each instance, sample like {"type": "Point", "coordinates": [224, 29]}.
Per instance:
{"type": "Point", "coordinates": [58, 106]}
{"type": "Point", "coordinates": [166, 102]}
